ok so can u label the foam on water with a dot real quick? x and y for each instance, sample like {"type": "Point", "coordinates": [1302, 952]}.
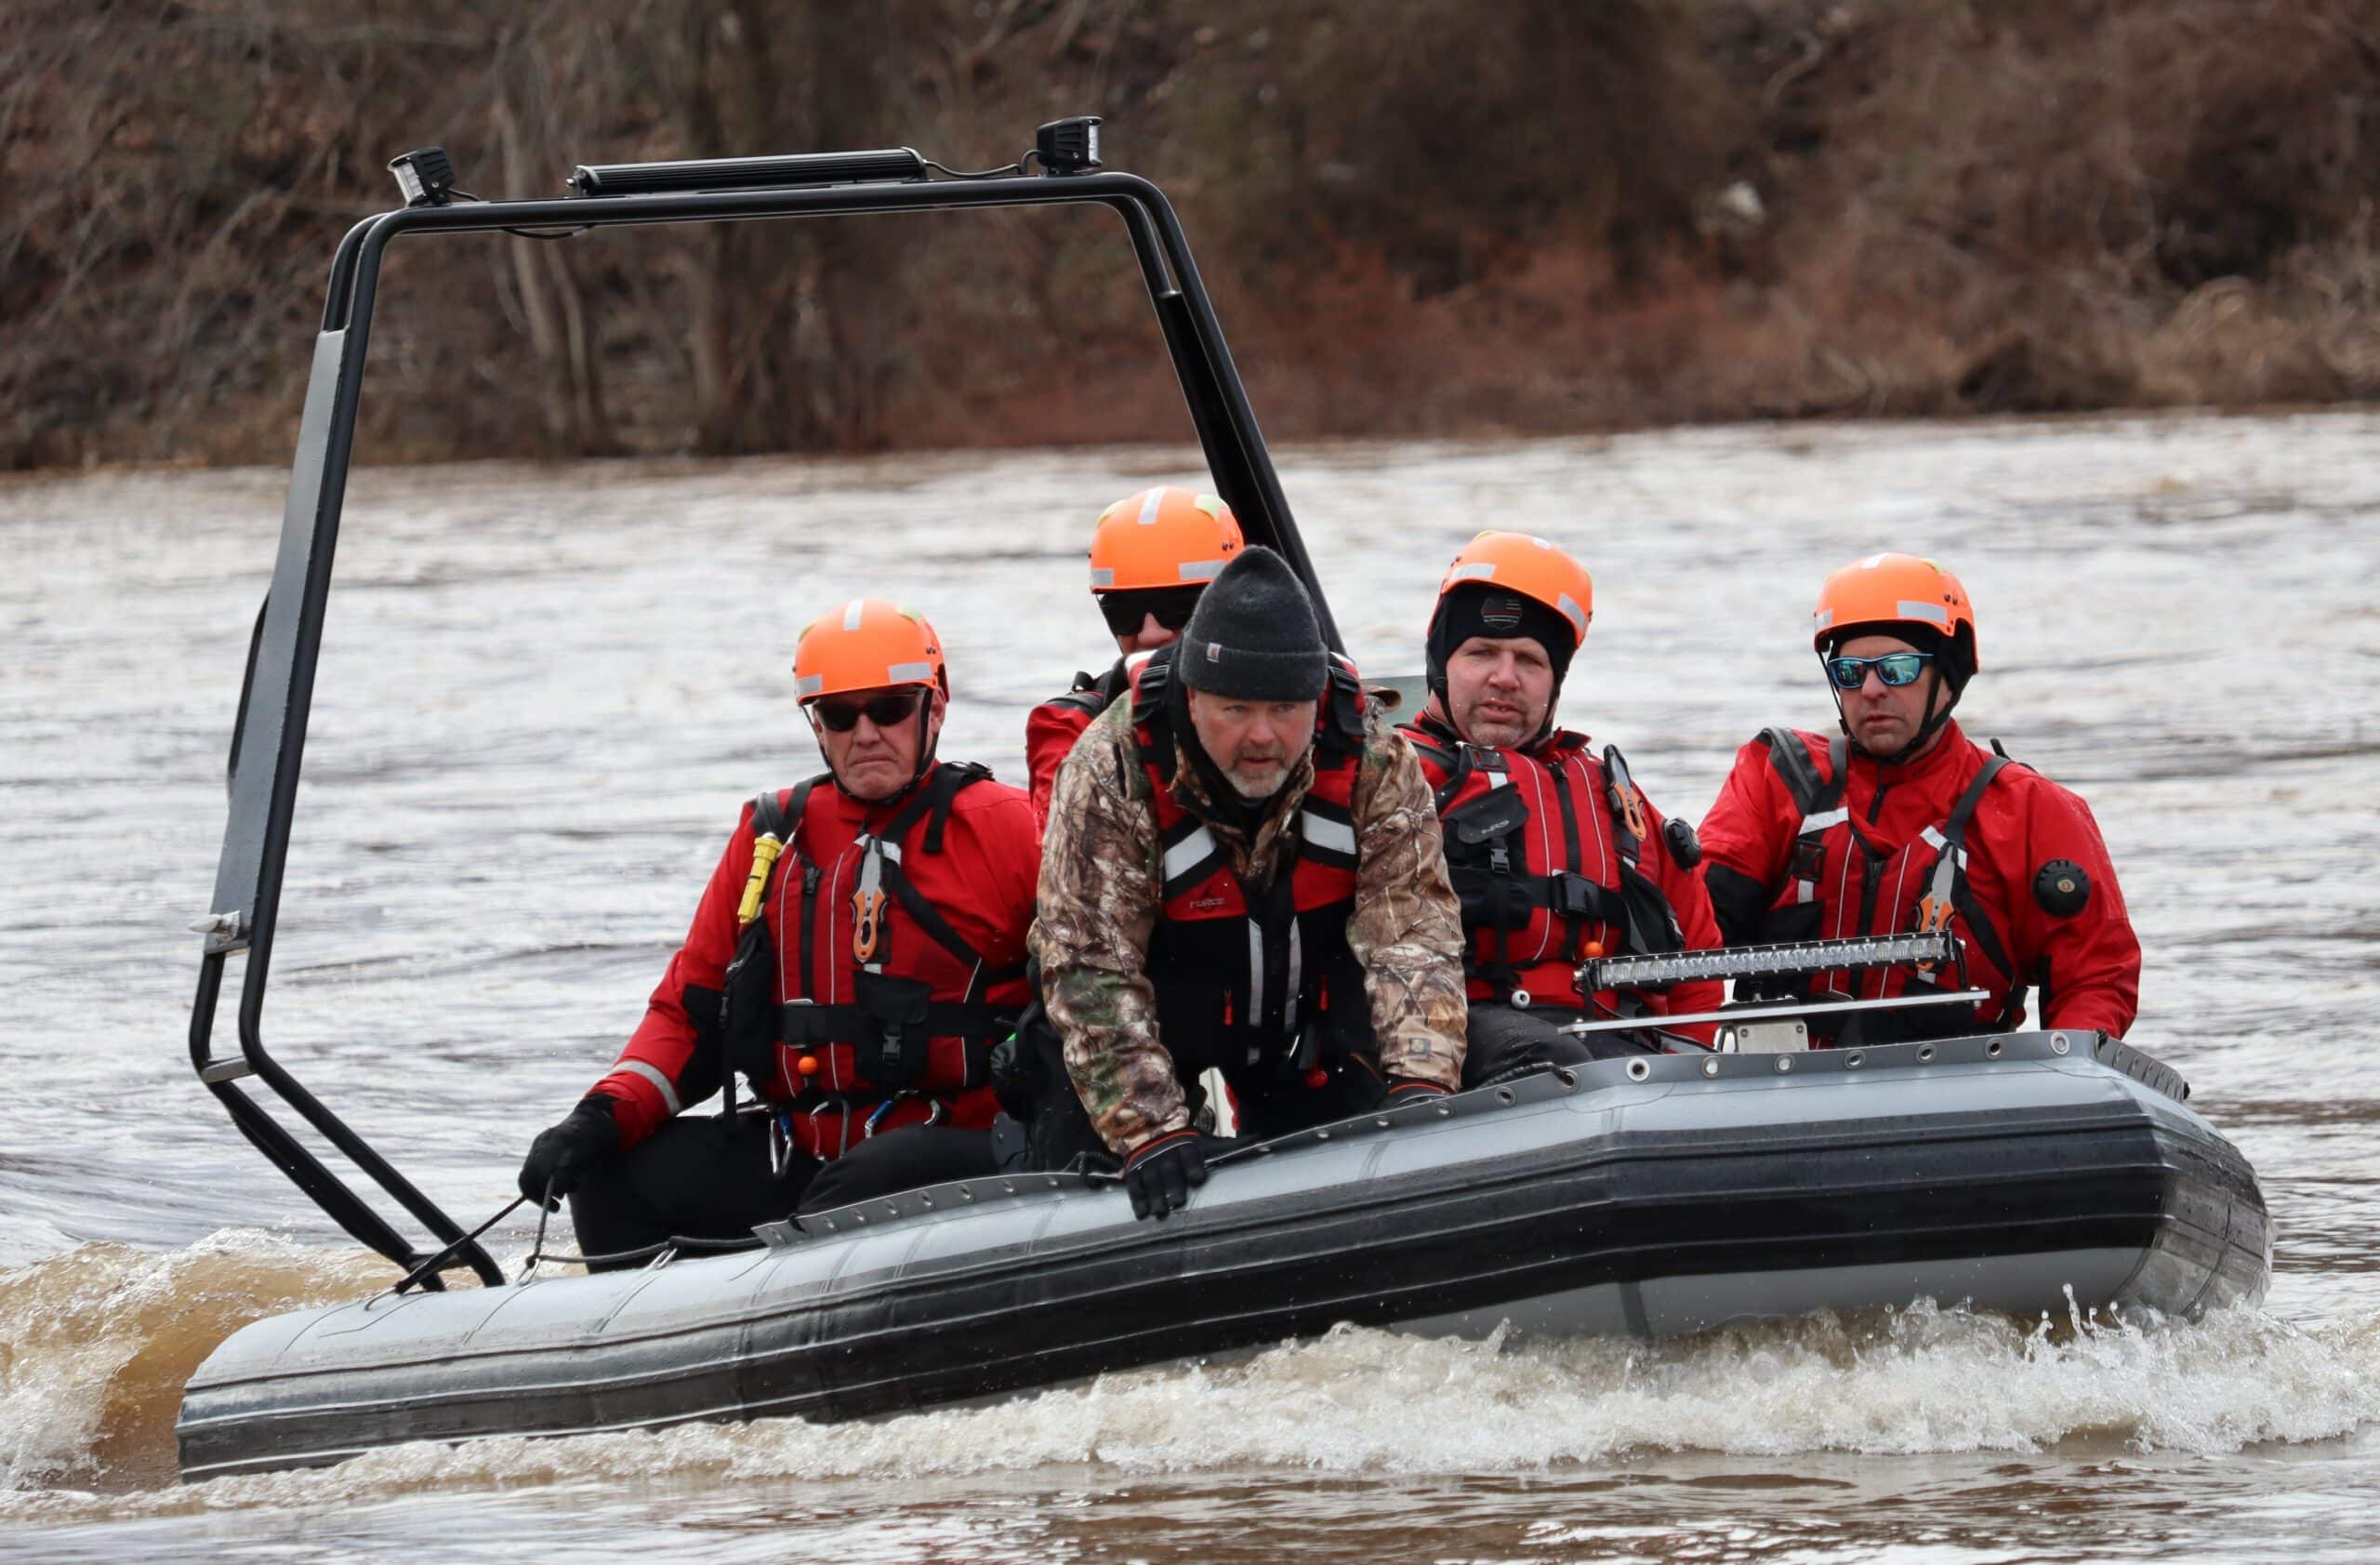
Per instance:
{"type": "Point", "coordinates": [96, 1343]}
{"type": "Point", "coordinates": [102, 1339]}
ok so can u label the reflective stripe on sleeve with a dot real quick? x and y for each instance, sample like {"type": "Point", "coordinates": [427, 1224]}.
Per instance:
{"type": "Point", "coordinates": [652, 1074]}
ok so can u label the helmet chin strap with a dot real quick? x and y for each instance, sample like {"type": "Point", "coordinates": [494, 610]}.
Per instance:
{"type": "Point", "coordinates": [1917, 742]}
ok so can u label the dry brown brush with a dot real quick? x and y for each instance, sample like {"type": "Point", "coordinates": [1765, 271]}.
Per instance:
{"type": "Point", "coordinates": [1418, 217]}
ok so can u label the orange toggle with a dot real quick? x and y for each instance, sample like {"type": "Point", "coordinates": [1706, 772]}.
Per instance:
{"type": "Point", "coordinates": [806, 1066]}
{"type": "Point", "coordinates": [1594, 949]}
{"type": "Point", "coordinates": [1318, 1077]}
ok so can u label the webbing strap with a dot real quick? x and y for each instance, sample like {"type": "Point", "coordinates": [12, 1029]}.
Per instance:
{"type": "Point", "coordinates": [1791, 757]}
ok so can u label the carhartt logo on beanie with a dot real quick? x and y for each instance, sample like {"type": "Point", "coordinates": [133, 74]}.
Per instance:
{"type": "Point", "coordinates": [1253, 636]}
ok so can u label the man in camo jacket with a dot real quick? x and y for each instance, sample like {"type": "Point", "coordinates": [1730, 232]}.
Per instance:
{"type": "Point", "coordinates": [1242, 871]}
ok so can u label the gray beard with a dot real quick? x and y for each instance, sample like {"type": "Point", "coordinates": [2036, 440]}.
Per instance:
{"type": "Point", "coordinates": [1255, 793]}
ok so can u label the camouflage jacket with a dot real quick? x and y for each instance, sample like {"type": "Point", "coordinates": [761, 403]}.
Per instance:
{"type": "Point", "coordinates": [1102, 875]}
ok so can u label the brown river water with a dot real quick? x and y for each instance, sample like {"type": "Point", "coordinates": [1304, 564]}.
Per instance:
{"type": "Point", "coordinates": [546, 689]}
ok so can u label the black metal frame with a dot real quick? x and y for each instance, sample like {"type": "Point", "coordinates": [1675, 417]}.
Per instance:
{"type": "Point", "coordinates": [270, 735]}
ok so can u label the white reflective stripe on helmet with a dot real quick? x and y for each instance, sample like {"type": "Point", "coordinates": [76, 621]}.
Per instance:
{"type": "Point", "coordinates": [652, 1074]}
{"type": "Point", "coordinates": [1337, 836]}
{"type": "Point", "coordinates": [1188, 852]}
{"type": "Point", "coordinates": [908, 673]}
{"type": "Point", "coordinates": [808, 685]}
{"type": "Point", "coordinates": [1479, 570]}
{"type": "Point", "coordinates": [1917, 608]}
{"type": "Point", "coordinates": [1200, 570]}
{"type": "Point", "coordinates": [1573, 613]}
{"type": "Point", "coordinates": [1150, 503]}
{"type": "Point", "coordinates": [850, 613]}
{"type": "Point", "coordinates": [1102, 576]}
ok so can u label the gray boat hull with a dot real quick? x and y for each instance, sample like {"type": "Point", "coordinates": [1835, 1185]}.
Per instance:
{"type": "Point", "coordinates": [1648, 1197]}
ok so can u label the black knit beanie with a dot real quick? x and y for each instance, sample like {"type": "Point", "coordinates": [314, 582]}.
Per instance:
{"type": "Point", "coordinates": [1482, 609]}
{"type": "Point", "coordinates": [1253, 636]}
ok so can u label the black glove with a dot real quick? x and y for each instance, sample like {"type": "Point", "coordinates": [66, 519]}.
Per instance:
{"type": "Point", "coordinates": [562, 1156]}
{"type": "Point", "coordinates": [1160, 1173]}
{"type": "Point", "coordinates": [1408, 1089]}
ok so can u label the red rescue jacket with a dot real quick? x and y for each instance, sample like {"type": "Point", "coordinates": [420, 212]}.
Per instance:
{"type": "Point", "coordinates": [897, 1039]}
{"type": "Point", "coordinates": [1809, 840]}
{"type": "Point", "coordinates": [1257, 984]}
{"type": "Point", "coordinates": [1051, 728]}
{"type": "Point", "coordinates": [1543, 865]}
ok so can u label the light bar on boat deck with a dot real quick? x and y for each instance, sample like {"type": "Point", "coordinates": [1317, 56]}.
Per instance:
{"type": "Point", "coordinates": [1937, 948]}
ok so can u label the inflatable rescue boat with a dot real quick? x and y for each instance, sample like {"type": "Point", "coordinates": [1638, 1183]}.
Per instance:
{"type": "Point", "coordinates": [2023, 1173]}
{"type": "Point", "coordinates": [1660, 1193]}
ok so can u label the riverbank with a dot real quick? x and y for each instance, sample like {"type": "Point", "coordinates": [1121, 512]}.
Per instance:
{"type": "Point", "coordinates": [1417, 220]}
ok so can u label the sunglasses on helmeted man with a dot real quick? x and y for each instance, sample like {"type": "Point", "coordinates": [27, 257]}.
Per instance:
{"type": "Point", "coordinates": [1172, 605]}
{"type": "Point", "coordinates": [1896, 669]}
{"type": "Point", "coordinates": [842, 717]}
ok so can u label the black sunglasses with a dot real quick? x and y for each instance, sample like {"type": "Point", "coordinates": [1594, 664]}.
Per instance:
{"type": "Point", "coordinates": [1172, 605]}
{"type": "Point", "coordinates": [1896, 669]}
{"type": "Point", "coordinates": [842, 717]}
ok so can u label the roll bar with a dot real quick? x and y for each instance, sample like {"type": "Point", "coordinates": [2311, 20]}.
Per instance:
{"type": "Point", "coordinates": [269, 739]}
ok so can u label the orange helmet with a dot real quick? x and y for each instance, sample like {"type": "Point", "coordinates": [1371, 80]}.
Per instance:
{"type": "Point", "coordinates": [1531, 567]}
{"type": "Point", "coordinates": [1161, 537]}
{"type": "Point", "coordinates": [866, 645]}
{"type": "Point", "coordinates": [1899, 589]}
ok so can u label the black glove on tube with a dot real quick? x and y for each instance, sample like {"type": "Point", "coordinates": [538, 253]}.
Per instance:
{"type": "Point", "coordinates": [1159, 1173]}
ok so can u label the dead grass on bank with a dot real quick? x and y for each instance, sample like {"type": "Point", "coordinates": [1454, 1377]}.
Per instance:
{"type": "Point", "coordinates": [1417, 218]}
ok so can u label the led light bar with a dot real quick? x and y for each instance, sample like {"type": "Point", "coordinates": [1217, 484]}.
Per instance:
{"type": "Point", "coordinates": [746, 173]}
{"type": "Point", "coordinates": [1938, 948]}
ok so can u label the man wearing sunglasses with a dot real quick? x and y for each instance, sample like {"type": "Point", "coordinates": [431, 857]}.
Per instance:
{"type": "Point", "coordinates": [1241, 872]}
{"type": "Point", "coordinates": [1555, 853]}
{"type": "Point", "coordinates": [1152, 554]}
{"type": "Point", "coordinates": [1899, 823]}
{"type": "Point", "coordinates": [857, 950]}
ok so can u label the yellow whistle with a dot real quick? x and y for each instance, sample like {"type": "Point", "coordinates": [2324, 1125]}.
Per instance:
{"type": "Point", "coordinates": [764, 859]}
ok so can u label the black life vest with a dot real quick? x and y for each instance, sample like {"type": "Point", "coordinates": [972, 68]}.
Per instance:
{"type": "Point", "coordinates": [1257, 982]}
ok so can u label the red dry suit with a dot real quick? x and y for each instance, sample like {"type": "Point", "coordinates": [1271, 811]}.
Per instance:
{"type": "Point", "coordinates": [1803, 844]}
{"type": "Point", "coordinates": [1051, 728]}
{"type": "Point", "coordinates": [1549, 872]}
{"type": "Point", "coordinates": [897, 1040]}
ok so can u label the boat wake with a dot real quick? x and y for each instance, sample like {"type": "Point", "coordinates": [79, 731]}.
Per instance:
{"type": "Point", "coordinates": [99, 1340]}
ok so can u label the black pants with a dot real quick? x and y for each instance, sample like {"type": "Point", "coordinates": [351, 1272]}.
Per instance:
{"type": "Point", "coordinates": [704, 1177]}
{"type": "Point", "coordinates": [1507, 1042]}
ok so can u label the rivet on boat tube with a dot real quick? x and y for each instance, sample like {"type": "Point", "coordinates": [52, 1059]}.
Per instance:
{"type": "Point", "coordinates": [1568, 1077]}
{"type": "Point", "coordinates": [1854, 1060]}
{"type": "Point", "coordinates": [1784, 1064]}
{"type": "Point", "coordinates": [2057, 1044]}
{"type": "Point", "coordinates": [1992, 1049]}
{"type": "Point", "coordinates": [1709, 1067]}
{"type": "Point", "coordinates": [1506, 1094]}
{"type": "Point", "coordinates": [1637, 1070]}
{"type": "Point", "coordinates": [1925, 1056]}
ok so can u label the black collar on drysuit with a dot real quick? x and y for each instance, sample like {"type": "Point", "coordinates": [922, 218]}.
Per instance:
{"type": "Point", "coordinates": [1482, 609]}
{"type": "Point", "coordinates": [928, 741]}
{"type": "Point", "coordinates": [1921, 638]}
